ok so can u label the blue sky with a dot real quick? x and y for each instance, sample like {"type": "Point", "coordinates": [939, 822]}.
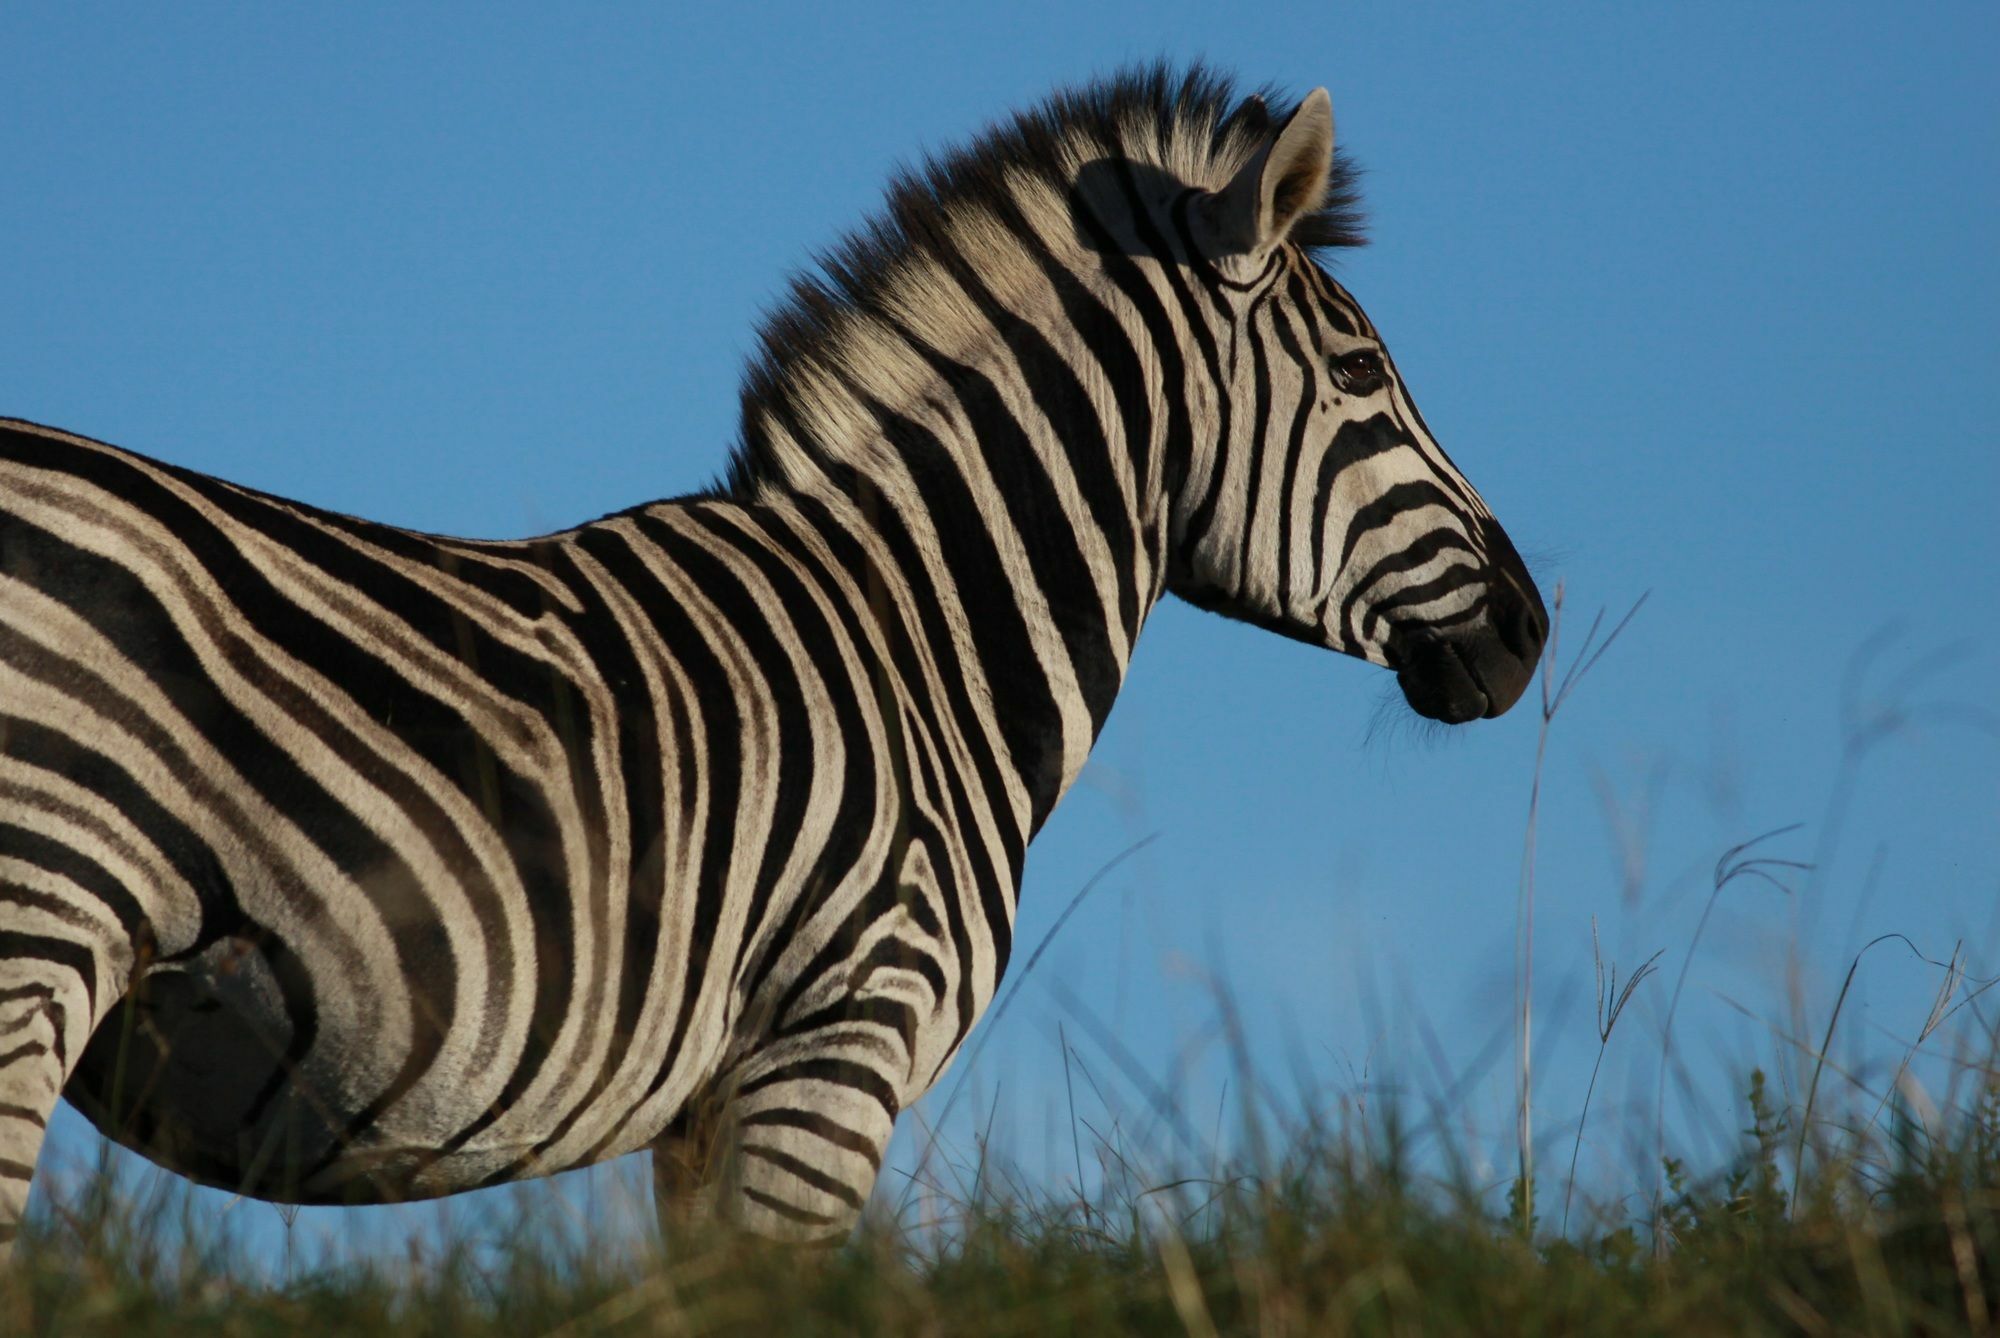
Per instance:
{"type": "Point", "coordinates": [1702, 297]}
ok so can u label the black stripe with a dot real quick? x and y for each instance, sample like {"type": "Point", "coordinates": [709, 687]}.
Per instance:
{"type": "Point", "coordinates": [1104, 336]}
{"type": "Point", "coordinates": [25, 1050]}
{"type": "Point", "coordinates": [854, 814]}
{"type": "Point", "coordinates": [803, 1171]}
{"type": "Point", "coordinates": [1383, 509]}
{"type": "Point", "coordinates": [818, 1125]}
{"type": "Point", "coordinates": [1024, 703]}
{"type": "Point", "coordinates": [789, 1211]}
{"type": "Point", "coordinates": [847, 843]}
{"type": "Point", "coordinates": [74, 957]}
{"type": "Point", "coordinates": [931, 634]}
{"type": "Point", "coordinates": [1290, 478]}
{"type": "Point", "coordinates": [1423, 551]}
{"type": "Point", "coordinates": [1177, 438]}
{"type": "Point", "coordinates": [765, 646]}
{"type": "Point", "coordinates": [129, 615]}
{"type": "Point", "coordinates": [993, 899]}
{"type": "Point", "coordinates": [843, 1072]}
{"type": "Point", "coordinates": [715, 701]}
{"type": "Point", "coordinates": [193, 859]}
{"type": "Point", "coordinates": [1166, 343]}
{"type": "Point", "coordinates": [1335, 304]}
{"type": "Point", "coordinates": [1068, 409]}
{"type": "Point", "coordinates": [52, 856]}
{"type": "Point", "coordinates": [894, 1014]}
{"type": "Point", "coordinates": [614, 662]}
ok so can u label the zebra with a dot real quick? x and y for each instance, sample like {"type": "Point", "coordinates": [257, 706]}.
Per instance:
{"type": "Point", "coordinates": [341, 863]}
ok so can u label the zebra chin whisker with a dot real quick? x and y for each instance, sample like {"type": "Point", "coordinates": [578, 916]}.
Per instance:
{"type": "Point", "coordinates": [1394, 727]}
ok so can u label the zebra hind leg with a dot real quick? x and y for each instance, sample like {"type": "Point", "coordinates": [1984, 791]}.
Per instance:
{"type": "Point", "coordinates": [47, 988]}
{"type": "Point", "coordinates": [688, 1176]}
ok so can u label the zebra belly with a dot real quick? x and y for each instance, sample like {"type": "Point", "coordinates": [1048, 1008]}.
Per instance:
{"type": "Point", "coordinates": [190, 1071]}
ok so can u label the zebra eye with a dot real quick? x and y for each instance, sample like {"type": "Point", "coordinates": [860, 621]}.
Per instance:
{"type": "Point", "coordinates": [1359, 372]}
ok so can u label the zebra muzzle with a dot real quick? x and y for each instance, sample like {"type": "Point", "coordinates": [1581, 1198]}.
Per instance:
{"type": "Point", "coordinates": [1468, 672]}
{"type": "Point", "coordinates": [1436, 682]}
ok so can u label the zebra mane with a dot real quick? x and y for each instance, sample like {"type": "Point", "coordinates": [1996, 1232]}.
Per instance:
{"type": "Point", "coordinates": [1188, 123]}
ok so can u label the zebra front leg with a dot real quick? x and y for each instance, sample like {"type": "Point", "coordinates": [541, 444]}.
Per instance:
{"type": "Point", "coordinates": [789, 1150]}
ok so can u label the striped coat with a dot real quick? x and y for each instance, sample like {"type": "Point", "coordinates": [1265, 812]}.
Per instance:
{"type": "Point", "coordinates": [341, 863]}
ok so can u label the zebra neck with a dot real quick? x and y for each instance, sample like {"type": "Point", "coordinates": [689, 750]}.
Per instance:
{"type": "Point", "coordinates": [1017, 542]}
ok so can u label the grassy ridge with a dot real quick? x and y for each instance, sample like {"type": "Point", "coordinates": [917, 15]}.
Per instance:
{"type": "Point", "coordinates": [1849, 1206]}
{"type": "Point", "coordinates": [1898, 1233]}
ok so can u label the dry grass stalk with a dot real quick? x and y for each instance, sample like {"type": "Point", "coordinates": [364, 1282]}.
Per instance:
{"type": "Point", "coordinates": [1554, 692]}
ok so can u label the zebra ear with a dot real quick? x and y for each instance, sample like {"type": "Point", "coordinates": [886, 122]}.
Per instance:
{"type": "Point", "coordinates": [1283, 182]}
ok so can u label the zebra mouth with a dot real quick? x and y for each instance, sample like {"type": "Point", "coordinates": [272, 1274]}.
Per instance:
{"type": "Point", "coordinates": [1464, 677]}
{"type": "Point", "coordinates": [1475, 668]}
{"type": "Point", "coordinates": [1439, 685]}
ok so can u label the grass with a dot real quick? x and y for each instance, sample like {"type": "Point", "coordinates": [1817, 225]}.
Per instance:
{"type": "Point", "coordinates": [1841, 1201]}
{"type": "Point", "coordinates": [1899, 1232]}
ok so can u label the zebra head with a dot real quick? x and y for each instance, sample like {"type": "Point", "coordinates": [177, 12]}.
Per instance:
{"type": "Point", "coordinates": [1317, 503]}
